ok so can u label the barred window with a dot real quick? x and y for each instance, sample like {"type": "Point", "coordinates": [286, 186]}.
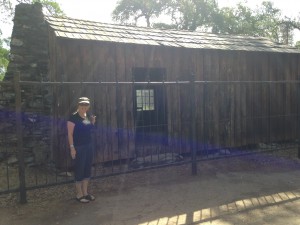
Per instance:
{"type": "Point", "coordinates": [145, 100]}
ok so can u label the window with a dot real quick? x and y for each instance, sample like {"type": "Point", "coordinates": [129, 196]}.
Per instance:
{"type": "Point", "coordinates": [145, 100]}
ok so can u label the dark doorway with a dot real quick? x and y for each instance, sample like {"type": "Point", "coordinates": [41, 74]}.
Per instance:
{"type": "Point", "coordinates": [150, 106]}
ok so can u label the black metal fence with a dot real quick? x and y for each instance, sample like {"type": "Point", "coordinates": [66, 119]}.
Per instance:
{"type": "Point", "coordinates": [20, 172]}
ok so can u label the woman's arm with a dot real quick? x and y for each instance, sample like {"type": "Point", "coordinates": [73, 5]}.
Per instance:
{"type": "Point", "coordinates": [70, 127]}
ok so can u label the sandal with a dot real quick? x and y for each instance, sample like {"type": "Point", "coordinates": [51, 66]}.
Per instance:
{"type": "Point", "coordinates": [90, 197]}
{"type": "Point", "coordinates": [82, 199]}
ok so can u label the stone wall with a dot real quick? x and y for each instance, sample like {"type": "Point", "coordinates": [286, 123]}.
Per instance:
{"type": "Point", "coordinates": [29, 57]}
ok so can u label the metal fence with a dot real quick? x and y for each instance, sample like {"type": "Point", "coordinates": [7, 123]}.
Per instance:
{"type": "Point", "coordinates": [195, 144]}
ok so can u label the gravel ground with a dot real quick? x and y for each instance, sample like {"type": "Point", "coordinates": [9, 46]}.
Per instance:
{"type": "Point", "coordinates": [42, 200]}
{"type": "Point", "coordinates": [287, 159]}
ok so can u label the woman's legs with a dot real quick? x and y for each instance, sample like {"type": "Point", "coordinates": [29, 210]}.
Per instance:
{"type": "Point", "coordinates": [88, 196]}
{"type": "Point", "coordinates": [79, 192]}
{"type": "Point", "coordinates": [83, 165]}
{"type": "Point", "coordinates": [79, 189]}
{"type": "Point", "coordinates": [87, 169]}
{"type": "Point", "coordinates": [82, 188]}
{"type": "Point", "coordinates": [85, 184]}
{"type": "Point", "coordinates": [79, 173]}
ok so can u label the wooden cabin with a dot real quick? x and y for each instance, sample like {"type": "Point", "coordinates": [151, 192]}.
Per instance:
{"type": "Point", "coordinates": [245, 88]}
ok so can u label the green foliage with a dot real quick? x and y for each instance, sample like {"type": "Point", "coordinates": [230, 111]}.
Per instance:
{"type": "Point", "coordinates": [164, 26]}
{"type": "Point", "coordinates": [4, 58]}
{"type": "Point", "coordinates": [239, 20]}
{"type": "Point", "coordinates": [266, 20]}
{"type": "Point", "coordinates": [51, 6]}
{"type": "Point", "coordinates": [130, 11]}
{"type": "Point", "coordinates": [184, 14]}
{"type": "Point", "coordinates": [192, 14]}
{"type": "Point", "coordinates": [242, 20]}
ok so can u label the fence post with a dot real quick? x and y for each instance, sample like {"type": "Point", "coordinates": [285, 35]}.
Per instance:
{"type": "Point", "coordinates": [193, 125]}
{"type": "Point", "coordinates": [19, 133]}
{"type": "Point", "coordinates": [298, 120]}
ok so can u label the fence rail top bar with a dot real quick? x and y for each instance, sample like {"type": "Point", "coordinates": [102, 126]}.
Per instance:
{"type": "Point", "coordinates": [155, 83]}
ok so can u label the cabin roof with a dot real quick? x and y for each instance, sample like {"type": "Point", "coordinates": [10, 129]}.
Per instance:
{"type": "Point", "coordinates": [97, 31]}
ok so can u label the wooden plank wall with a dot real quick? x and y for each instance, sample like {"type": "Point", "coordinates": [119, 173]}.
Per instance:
{"type": "Point", "coordinates": [227, 114]}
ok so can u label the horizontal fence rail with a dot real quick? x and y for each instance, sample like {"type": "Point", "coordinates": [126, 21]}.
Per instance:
{"type": "Point", "coordinates": [199, 120]}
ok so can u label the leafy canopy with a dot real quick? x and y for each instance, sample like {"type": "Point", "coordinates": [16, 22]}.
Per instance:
{"type": "Point", "coordinates": [266, 20]}
{"type": "Point", "coordinates": [4, 57]}
{"type": "Point", "coordinates": [130, 11]}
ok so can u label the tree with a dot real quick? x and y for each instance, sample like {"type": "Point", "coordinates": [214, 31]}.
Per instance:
{"type": "Point", "coordinates": [4, 58]}
{"type": "Point", "coordinates": [192, 14]}
{"type": "Point", "coordinates": [183, 14]}
{"type": "Point", "coordinates": [286, 31]}
{"type": "Point", "coordinates": [268, 21]}
{"type": "Point", "coordinates": [265, 21]}
{"type": "Point", "coordinates": [130, 11]}
{"type": "Point", "coordinates": [238, 20]}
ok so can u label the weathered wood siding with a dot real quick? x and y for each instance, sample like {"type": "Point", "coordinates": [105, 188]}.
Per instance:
{"type": "Point", "coordinates": [227, 114]}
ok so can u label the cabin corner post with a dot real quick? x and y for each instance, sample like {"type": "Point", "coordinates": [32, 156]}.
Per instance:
{"type": "Point", "coordinates": [193, 125]}
{"type": "Point", "coordinates": [19, 133]}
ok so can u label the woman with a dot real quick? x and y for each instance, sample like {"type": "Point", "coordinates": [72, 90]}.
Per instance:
{"type": "Point", "coordinates": [79, 136]}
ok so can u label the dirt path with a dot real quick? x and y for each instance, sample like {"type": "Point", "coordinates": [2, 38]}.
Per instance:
{"type": "Point", "coordinates": [251, 190]}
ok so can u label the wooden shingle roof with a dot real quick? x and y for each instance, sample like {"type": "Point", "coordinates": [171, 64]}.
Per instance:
{"type": "Point", "coordinates": [88, 30]}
